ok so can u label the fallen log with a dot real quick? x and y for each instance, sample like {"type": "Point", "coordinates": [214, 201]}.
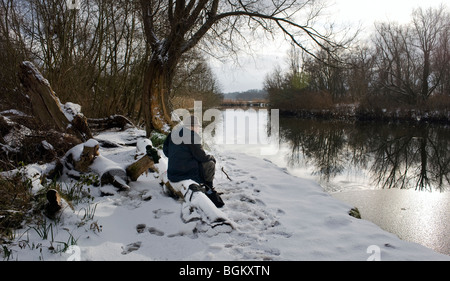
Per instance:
{"type": "Point", "coordinates": [147, 155]}
{"type": "Point", "coordinates": [143, 165]}
{"type": "Point", "coordinates": [196, 205]}
{"type": "Point", "coordinates": [44, 102]}
{"type": "Point", "coordinates": [47, 107]}
{"type": "Point", "coordinates": [81, 157]}
{"type": "Point", "coordinates": [113, 121]}
{"type": "Point", "coordinates": [85, 157]}
{"type": "Point", "coordinates": [116, 177]}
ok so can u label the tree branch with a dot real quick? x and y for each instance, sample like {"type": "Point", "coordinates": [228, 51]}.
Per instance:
{"type": "Point", "coordinates": [148, 19]}
{"type": "Point", "coordinates": [321, 40]}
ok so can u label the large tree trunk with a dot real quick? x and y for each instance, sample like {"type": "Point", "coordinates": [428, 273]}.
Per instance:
{"type": "Point", "coordinates": [425, 76]}
{"type": "Point", "coordinates": [156, 88]}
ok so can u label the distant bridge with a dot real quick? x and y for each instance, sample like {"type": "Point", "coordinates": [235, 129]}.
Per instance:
{"type": "Point", "coordinates": [244, 103]}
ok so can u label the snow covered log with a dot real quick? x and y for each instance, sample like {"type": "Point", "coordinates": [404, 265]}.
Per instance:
{"type": "Point", "coordinates": [147, 156]}
{"type": "Point", "coordinates": [143, 165]}
{"type": "Point", "coordinates": [81, 156]}
{"type": "Point", "coordinates": [110, 173]}
{"type": "Point", "coordinates": [196, 205]}
{"type": "Point", "coordinates": [85, 157]}
{"type": "Point", "coordinates": [145, 162]}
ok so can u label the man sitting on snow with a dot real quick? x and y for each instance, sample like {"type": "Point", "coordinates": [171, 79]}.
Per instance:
{"type": "Point", "coordinates": [188, 160]}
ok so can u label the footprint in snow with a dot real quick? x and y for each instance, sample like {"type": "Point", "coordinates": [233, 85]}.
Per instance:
{"type": "Point", "coordinates": [155, 231]}
{"type": "Point", "coordinates": [160, 212]}
{"type": "Point", "coordinates": [131, 247]}
{"type": "Point", "coordinates": [140, 228]}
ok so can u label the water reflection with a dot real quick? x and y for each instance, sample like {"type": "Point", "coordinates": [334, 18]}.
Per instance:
{"type": "Point", "coordinates": [397, 155]}
{"type": "Point", "coordinates": [344, 155]}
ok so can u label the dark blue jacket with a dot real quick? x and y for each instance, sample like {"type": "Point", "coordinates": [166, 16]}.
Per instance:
{"type": "Point", "coordinates": [185, 158]}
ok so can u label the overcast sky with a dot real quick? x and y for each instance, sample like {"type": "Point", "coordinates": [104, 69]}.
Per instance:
{"type": "Point", "coordinates": [252, 70]}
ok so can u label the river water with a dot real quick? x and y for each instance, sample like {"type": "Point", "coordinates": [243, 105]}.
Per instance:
{"type": "Point", "coordinates": [397, 175]}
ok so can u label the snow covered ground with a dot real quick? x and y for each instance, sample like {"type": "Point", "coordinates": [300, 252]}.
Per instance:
{"type": "Point", "coordinates": [276, 216]}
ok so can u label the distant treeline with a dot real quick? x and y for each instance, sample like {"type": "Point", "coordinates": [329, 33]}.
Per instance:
{"type": "Point", "coordinates": [250, 95]}
{"type": "Point", "coordinates": [402, 71]}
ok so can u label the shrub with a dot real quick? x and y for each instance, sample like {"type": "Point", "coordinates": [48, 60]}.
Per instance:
{"type": "Point", "coordinates": [15, 203]}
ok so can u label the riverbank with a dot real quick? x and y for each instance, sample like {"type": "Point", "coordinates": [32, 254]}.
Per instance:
{"type": "Point", "coordinates": [361, 113]}
{"type": "Point", "coordinates": [277, 216]}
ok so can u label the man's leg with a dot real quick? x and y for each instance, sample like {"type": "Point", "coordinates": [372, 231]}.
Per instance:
{"type": "Point", "coordinates": [208, 171]}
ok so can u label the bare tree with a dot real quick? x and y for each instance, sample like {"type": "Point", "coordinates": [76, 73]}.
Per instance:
{"type": "Point", "coordinates": [429, 26]}
{"type": "Point", "coordinates": [194, 81]}
{"type": "Point", "coordinates": [360, 74]}
{"type": "Point", "coordinates": [411, 60]}
{"type": "Point", "coordinates": [174, 27]}
{"type": "Point", "coordinates": [12, 54]}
